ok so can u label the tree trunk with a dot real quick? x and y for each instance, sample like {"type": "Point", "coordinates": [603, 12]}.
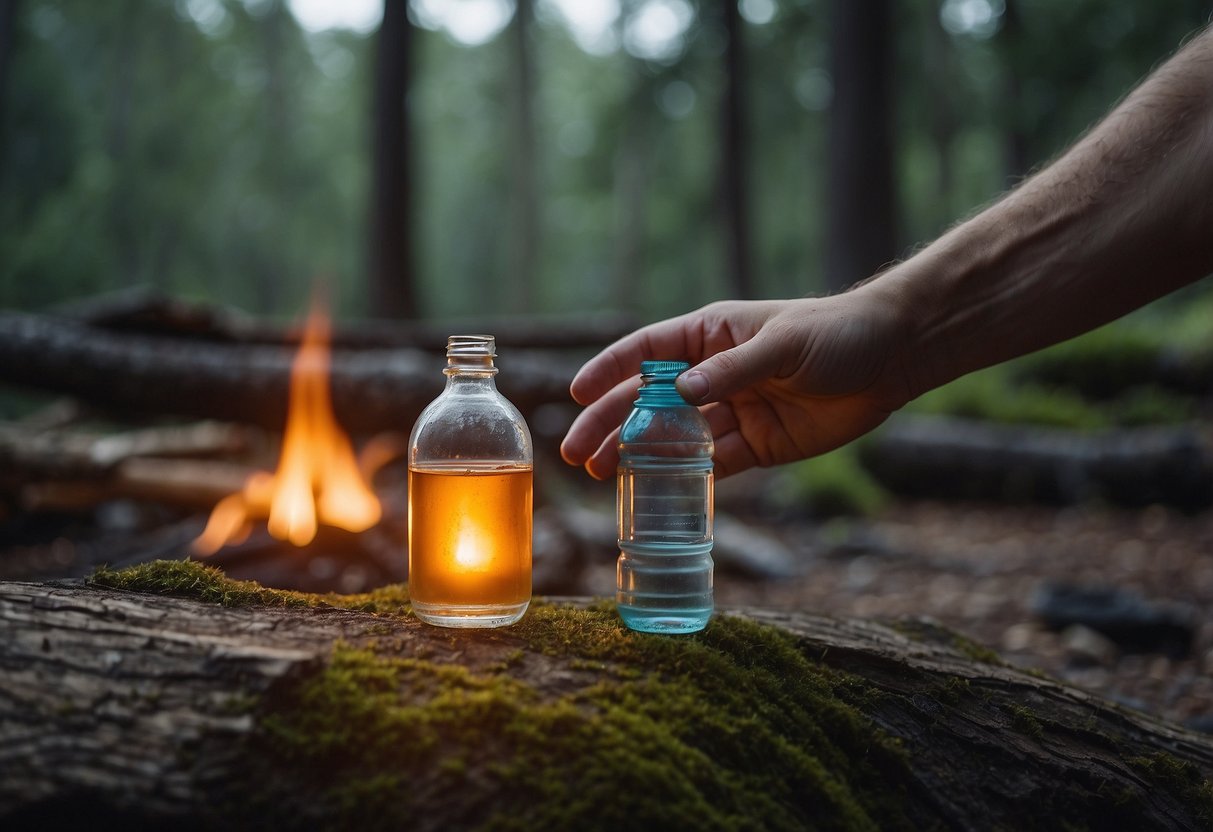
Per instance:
{"type": "Point", "coordinates": [1017, 155]}
{"type": "Point", "coordinates": [860, 187]}
{"type": "Point", "coordinates": [8, 40]}
{"type": "Point", "coordinates": [734, 204]}
{"type": "Point", "coordinates": [269, 277]}
{"type": "Point", "coordinates": [939, 70]}
{"type": "Point", "coordinates": [373, 390]}
{"type": "Point", "coordinates": [135, 710]}
{"type": "Point", "coordinates": [522, 284]}
{"type": "Point", "coordinates": [393, 289]}
{"type": "Point", "coordinates": [631, 175]}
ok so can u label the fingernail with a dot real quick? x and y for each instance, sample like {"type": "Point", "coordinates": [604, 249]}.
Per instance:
{"type": "Point", "coordinates": [693, 385]}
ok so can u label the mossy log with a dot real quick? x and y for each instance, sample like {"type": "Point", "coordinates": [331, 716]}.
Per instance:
{"type": "Point", "coordinates": [237, 707]}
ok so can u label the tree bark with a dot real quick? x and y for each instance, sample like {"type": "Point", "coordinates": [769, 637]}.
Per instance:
{"type": "Point", "coordinates": [522, 284]}
{"type": "Point", "coordinates": [393, 289]}
{"type": "Point", "coordinates": [123, 708]}
{"type": "Point", "coordinates": [861, 191]}
{"type": "Point", "coordinates": [373, 390]}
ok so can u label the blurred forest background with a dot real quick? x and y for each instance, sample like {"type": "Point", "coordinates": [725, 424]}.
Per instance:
{"type": "Point", "coordinates": [554, 155]}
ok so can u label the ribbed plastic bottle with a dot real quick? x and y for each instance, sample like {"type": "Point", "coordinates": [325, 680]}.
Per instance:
{"type": "Point", "coordinates": [470, 465]}
{"type": "Point", "coordinates": [664, 508]}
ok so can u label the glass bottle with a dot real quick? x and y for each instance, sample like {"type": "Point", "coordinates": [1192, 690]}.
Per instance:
{"type": "Point", "coordinates": [665, 490]}
{"type": "Point", "coordinates": [470, 468]}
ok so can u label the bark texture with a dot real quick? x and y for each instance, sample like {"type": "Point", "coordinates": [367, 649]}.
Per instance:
{"type": "Point", "coordinates": [373, 390]}
{"type": "Point", "coordinates": [861, 188]}
{"type": "Point", "coordinates": [134, 708]}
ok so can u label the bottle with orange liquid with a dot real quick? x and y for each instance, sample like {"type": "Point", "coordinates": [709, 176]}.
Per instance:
{"type": "Point", "coordinates": [470, 467]}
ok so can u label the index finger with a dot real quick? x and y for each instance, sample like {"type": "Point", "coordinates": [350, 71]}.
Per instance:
{"type": "Point", "coordinates": [621, 360]}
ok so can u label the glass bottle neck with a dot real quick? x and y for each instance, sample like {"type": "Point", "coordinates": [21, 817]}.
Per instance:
{"type": "Point", "coordinates": [470, 358]}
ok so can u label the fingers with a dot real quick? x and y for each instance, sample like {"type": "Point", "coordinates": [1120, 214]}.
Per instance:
{"type": "Point", "coordinates": [732, 370]}
{"type": "Point", "coordinates": [605, 460]}
{"type": "Point", "coordinates": [596, 422]}
{"type": "Point", "coordinates": [733, 455]}
{"type": "Point", "coordinates": [621, 360]}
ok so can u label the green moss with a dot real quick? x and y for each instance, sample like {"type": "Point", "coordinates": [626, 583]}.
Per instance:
{"type": "Point", "coordinates": [953, 690]}
{"type": "Point", "coordinates": [737, 727]}
{"type": "Point", "coordinates": [731, 729]}
{"type": "Point", "coordinates": [191, 579]}
{"type": "Point", "coordinates": [932, 632]}
{"type": "Point", "coordinates": [1026, 721]}
{"type": "Point", "coordinates": [1180, 778]}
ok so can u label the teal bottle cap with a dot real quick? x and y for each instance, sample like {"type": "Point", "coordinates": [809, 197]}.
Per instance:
{"type": "Point", "coordinates": [663, 368]}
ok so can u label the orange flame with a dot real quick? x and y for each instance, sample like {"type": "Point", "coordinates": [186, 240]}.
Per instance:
{"type": "Point", "coordinates": [317, 480]}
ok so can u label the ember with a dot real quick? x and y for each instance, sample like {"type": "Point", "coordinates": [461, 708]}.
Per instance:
{"type": "Point", "coordinates": [318, 479]}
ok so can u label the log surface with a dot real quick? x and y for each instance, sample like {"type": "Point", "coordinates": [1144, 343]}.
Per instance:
{"type": "Point", "coordinates": [131, 704]}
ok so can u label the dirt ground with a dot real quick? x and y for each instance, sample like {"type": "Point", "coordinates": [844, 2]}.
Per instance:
{"type": "Point", "coordinates": [976, 568]}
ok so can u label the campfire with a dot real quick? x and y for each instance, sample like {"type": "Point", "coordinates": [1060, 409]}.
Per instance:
{"type": "Point", "coordinates": [318, 479]}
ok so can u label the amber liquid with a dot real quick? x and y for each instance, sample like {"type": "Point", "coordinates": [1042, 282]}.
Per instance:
{"type": "Point", "coordinates": [469, 539]}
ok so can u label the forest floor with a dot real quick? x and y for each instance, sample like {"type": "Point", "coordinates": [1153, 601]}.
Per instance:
{"type": "Point", "coordinates": [977, 569]}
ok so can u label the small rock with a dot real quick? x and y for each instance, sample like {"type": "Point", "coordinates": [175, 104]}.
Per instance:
{"type": "Point", "coordinates": [1132, 622]}
{"type": "Point", "coordinates": [1202, 723]}
{"type": "Point", "coordinates": [1018, 637]}
{"type": "Point", "coordinates": [1086, 647]}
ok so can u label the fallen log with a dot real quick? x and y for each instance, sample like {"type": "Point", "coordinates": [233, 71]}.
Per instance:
{"type": "Point", "coordinates": [373, 389]}
{"type": "Point", "coordinates": [947, 458]}
{"type": "Point", "coordinates": [150, 312]}
{"type": "Point", "coordinates": [239, 707]}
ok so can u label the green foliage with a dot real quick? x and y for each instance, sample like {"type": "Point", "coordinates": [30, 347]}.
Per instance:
{"type": "Point", "coordinates": [1116, 375]}
{"type": "Point", "coordinates": [833, 484]}
{"type": "Point", "coordinates": [136, 148]}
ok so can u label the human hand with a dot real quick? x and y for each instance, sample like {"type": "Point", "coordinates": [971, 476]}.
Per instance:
{"type": "Point", "coordinates": [778, 381]}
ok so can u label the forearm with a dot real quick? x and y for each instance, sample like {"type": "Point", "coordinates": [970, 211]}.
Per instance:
{"type": "Point", "coordinates": [1125, 216]}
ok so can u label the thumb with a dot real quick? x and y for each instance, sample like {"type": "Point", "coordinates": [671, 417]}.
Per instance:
{"type": "Point", "coordinates": [727, 372]}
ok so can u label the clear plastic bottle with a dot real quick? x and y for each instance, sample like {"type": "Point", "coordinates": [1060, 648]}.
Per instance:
{"type": "Point", "coordinates": [664, 578]}
{"type": "Point", "coordinates": [470, 473]}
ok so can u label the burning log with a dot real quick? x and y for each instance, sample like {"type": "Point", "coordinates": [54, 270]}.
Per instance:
{"type": "Point", "coordinates": [373, 389]}
{"type": "Point", "coordinates": [140, 710]}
